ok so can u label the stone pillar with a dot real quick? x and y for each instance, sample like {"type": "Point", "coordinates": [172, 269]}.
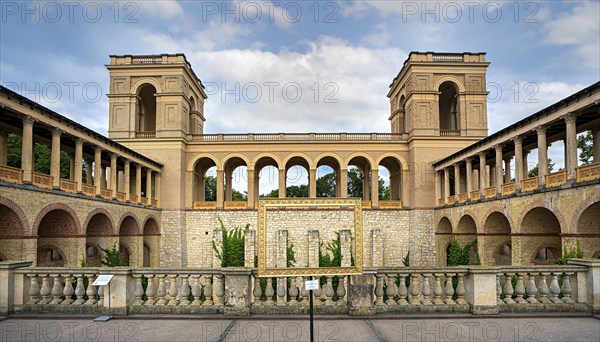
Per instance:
{"type": "Point", "coordinates": [596, 143]}
{"type": "Point", "coordinates": [281, 183]}
{"type": "Point", "coordinates": [525, 164]}
{"type": "Point", "coordinates": [113, 175]}
{"type": "Point", "coordinates": [480, 291]}
{"type": "Point", "coordinates": [104, 181]}
{"type": "Point", "coordinates": [27, 149]}
{"type": "Point", "coordinates": [312, 183]}
{"type": "Point", "coordinates": [438, 186]}
{"type": "Point", "coordinates": [157, 189]}
{"type": "Point", "coordinates": [281, 257]}
{"type": "Point", "coordinates": [127, 180]}
{"type": "Point", "coordinates": [499, 176]}
{"type": "Point", "coordinates": [542, 154]}
{"type": "Point", "coordinates": [571, 145]}
{"type": "Point", "coordinates": [343, 183]}
{"type": "Point", "coordinates": [346, 247]}
{"type": "Point", "coordinates": [518, 140]}
{"type": "Point", "coordinates": [456, 180]}
{"type": "Point", "coordinates": [78, 164]}
{"type": "Point", "coordinates": [313, 248]}
{"type": "Point", "coordinates": [507, 173]}
{"type": "Point", "coordinates": [71, 167]}
{"type": "Point", "coordinates": [249, 247]}
{"type": "Point", "coordinates": [89, 163]}
{"type": "Point", "coordinates": [220, 198]}
{"type": "Point", "coordinates": [97, 169]}
{"type": "Point", "coordinates": [482, 173]}
{"type": "Point", "coordinates": [3, 146]}
{"type": "Point", "coordinates": [251, 193]}
{"type": "Point", "coordinates": [376, 248]}
{"type": "Point", "coordinates": [446, 185]}
{"type": "Point", "coordinates": [366, 192]}
{"type": "Point", "coordinates": [375, 188]}
{"type": "Point", "coordinates": [12, 286]}
{"type": "Point", "coordinates": [469, 174]}
{"type": "Point", "coordinates": [55, 158]}
{"type": "Point", "coordinates": [228, 185]}
{"type": "Point", "coordinates": [588, 283]}
{"type": "Point", "coordinates": [149, 186]}
{"type": "Point", "coordinates": [138, 182]}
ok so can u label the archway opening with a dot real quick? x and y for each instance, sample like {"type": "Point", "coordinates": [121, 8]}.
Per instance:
{"type": "Point", "coordinates": [503, 255]}
{"type": "Point", "coordinates": [358, 178]}
{"type": "Point", "coordinates": [236, 180]}
{"type": "Point", "coordinates": [205, 183]}
{"type": "Point", "coordinates": [296, 177]}
{"type": "Point", "coordinates": [97, 235]}
{"type": "Point", "coordinates": [124, 254]}
{"type": "Point", "coordinates": [53, 231]}
{"type": "Point", "coordinates": [390, 183]}
{"type": "Point", "coordinates": [541, 236]}
{"type": "Point", "coordinates": [328, 173]}
{"type": "Point", "coordinates": [146, 116]}
{"type": "Point", "coordinates": [151, 243]}
{"type": "Point", "coordinates": [448, 106]}
{"type": "Point", "coordinates": [266, 177]}
{"type": "Point", "coordinates": [466, 225]}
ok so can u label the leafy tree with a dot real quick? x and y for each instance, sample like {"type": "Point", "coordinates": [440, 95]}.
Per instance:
{"type": "Point", "coordinates": [355, 183]}
{"type": "Point", "coordinates": [535, 171]}
{"type": "Point", "coordinates": [112, 256]}
{"type": "Point", "coordinates": [584, 143]}
{"type": "Point", "coordinates": [326, 185]}
{"type": "Point", "coordinates": [210, 191]}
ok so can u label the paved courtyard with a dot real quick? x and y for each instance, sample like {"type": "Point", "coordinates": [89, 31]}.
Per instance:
{"type": "Point", "coordinates": [509, 328]}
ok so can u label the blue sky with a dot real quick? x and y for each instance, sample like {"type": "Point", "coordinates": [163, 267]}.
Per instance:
{"type": "Point", "coordinates": [341, 55]}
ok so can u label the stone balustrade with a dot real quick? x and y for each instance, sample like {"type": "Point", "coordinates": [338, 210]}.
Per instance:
{"type": "Point", "coordinates": [475, 195]}
{"type": "Point", "coordinates": [509, 188]}
{"type": "Point", "coordinates": [296, 137]}
{"type": "Point", "coordinates": [239, 291]}
{"type": "Point", "coordinates": [530, 184]}
{"type": "Point", "coordinates": [390, 204]}
{"type": "Point", "coordinates": [556, 179]}
{"type": "Point", "coordinates": [462, 198]}
{"type": "Point", "coordinates": [106, 193]}
{"type": "Point", "coordinates": [489, 192]}
{"type": "Point", "coordinates": [205, 205]}
{"type": "Point", "coordinates": [588, 172]}
{"type": "Point", "coordinates": [41, 180]}
{"type": "Point", "coordinates": [11, 174]}
{"type": "Point", "coordinates": [68, 186]}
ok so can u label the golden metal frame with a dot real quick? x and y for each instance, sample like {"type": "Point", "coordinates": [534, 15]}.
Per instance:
{"type": "Point", "coordinates": [303, 203]}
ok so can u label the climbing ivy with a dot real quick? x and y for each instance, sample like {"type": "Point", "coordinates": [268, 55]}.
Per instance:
{"type": "Point", "coordinates": [232, 253]}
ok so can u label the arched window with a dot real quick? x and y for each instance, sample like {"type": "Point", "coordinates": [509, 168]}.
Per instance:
{"type": "Point", "coordinates": [448, 107]}
{"type": "Point", "coordinates": [146, 109]}
{"type": "Point", "coordinates": [192, 121]}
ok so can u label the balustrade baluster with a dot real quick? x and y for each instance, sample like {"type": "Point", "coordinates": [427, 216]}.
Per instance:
{"type": "Point", "coordinates": [150, 291]}
{"type": "Point", "coordinates": [68, 291]}
{"type": "Point", "coordinates": [555, 289]}
{"type": "Point", "coordinates": [208, 291]}
{"type": "Point", "coordinates": [391, 290]}
{"type": "Point", "coordinates": [437, 290]}
{"type": "Point", "coordinates": [520, 289]}
{"type": "Point", "coordinates": [531, 289]}
{"type": "Point", "coordinates": [498, 289]}
{"type": "Point", "coordinates": [460, 290]}
{"type": "Point", "coordinates": [402, 290]}
{"type": "Point", "coordinates": [196, 290]}
{"type": "Point", "coordinates": [566, 288]}
{"type": "Point", "coordinates": [219, 289]}
{"type": "Point", "coordinates": [329, 291]}
{"type": "Point", "coordinates": [317, 294]}
{"type": "Point", "coordinates": [184, 292]}
{"type": "Point", "coordinates": [257, 292]}
{"type": "Point", "coordinates": [281, 290]}
{"type": "Point", "coordinates": [57, 289]}
{"type": "Point", "coordinates": [79, 290]}
{"type": "Point", "coordinates": [162, 290]}
{"type": "Point", "coordinates": [34, 289]}
{"type": "Point", "coordinates": [415, 290]}
{"type": "Point", "coordinates": [138, 290]}
{"type": "Point", "coordinates": [379, 290]}
{"type": "Point", "coordinates": [172, 290]}
{"type": "Point", "coordinates": [543, 289]}
{"type": "Point", "coordinates": [449, 289]}
{"type": "Point", "coordinates": [293, 292]}
{"type": "Point", "coordinates": [426, 290]}
{"type": "Point", "coordinates": [90, 291]}
{"type": "Point", "coordinates": [341, 291]}
{"type": "Point", "coordinates": [269, 292]}
{"type": "Point", "coordinates": [508, 289]}
{"type": "Point", "coordinates": [304, 293]}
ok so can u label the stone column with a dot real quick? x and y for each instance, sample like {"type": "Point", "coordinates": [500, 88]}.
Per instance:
{"type": "Point", "coordinates": [343, 183]}
{"type": "Point", "coordinates": [97, 169]}
{"type": "Point", "coordinates": [149, 186]}
{"type": "Point", "coordinates": [542, 154]}
{"type": "Point", "coordinates": [201, 188]}
{"type": "Point", "coordinates": [518, 140]}
{"type": "Point", "coordinates": [525, 164]}
{"type": "Point", "coordinates": [88, 171]}
{"type": "Point", "coordinates": [138, 182]}
{"type": "Point", "coordinates": [507, 173]}
{"type": "Point", "coordinates": [71, 167]}
{"type": "Point", "coordinates": [78, 163]}
{"type": "Point", "coordinates": [281, 183]}
{"type": "Point", "coordinates": [482, 173]}
{"type": "Point", "coordinates": [375, 188]}
{"type": "Point", "coordinates": [251, 199]}
{"type": "Point", "coordinates": [469, 174]}
{"type": "Point", "coordinates": [498, 149]}
{"type": "Point", "coordinates": [438, 186]}
{"type": "Point", "coordinates": [312, 183]}
{"type": "Point", "coordinates": [456, 180]}
{"type": "Point", "coordinates": [113, 175]}
{"type": "Point", "coordinates": [3, 146]}
{"type": "Point", "coordinates": [228, 185]}
{"type": "Point", "coordinates": [27, 149]}
{"type": "Point", "coordinates": [127, 180]}
{"type": "Point", "coordinates": [366, 192]}
{"type": "Point", "coordinates": [249, 247]}
{"type": "Point", "coordinates": [571, 145]}
{"type": "Point", "coordinates": [157, 189]}
{"type": "Point", "coordinates": [220, 198]}
{"type": "Point", "coordinates": [446, 185]}
{"type": "Point", "coordinates": [596, 143]}
{"type": "Point", "coordinates": [313, 248]}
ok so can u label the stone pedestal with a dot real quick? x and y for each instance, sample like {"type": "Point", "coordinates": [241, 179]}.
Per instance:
{"type": "Point", "coordinates": [238, 284]}
{"type": "Point", "coordinates": [7, 285]}
{"type": "Point", "coordinates": [480, 286]}
{"type": "Point", "coordinates": [360, 294]}
{"type": "Point", "coordinates": [589, 285]}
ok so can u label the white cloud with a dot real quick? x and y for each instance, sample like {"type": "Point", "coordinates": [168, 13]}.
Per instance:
{"type": "Point", "coordinates": [379, 37]}
{"type": "Point", "coordinates": [579, 29]}
{"type": "Point", "coordinates": [163, 9]}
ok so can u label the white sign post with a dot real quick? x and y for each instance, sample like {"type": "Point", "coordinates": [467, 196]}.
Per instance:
{"type": "Point", "coordinates": [103, 280]}
{"type": "Point", "coordinates": [311, 285]}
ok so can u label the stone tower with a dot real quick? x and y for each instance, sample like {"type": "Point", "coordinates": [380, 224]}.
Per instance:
{"type": "Point", "coordinates": [438, 104]}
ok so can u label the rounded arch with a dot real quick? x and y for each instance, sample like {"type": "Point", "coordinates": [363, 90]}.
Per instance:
{"type": "Point", "coordinates": [595, 197]}
{"type": "Point", "coordinates": [545, 254]}
{"type": "Point", "coordinates": [356, 157]}
{"type": "Point", "coordinates": [129, 214]}
{"type": "Point", "coordinates": [49, 255]}
{"type": "Point", "coordinates": [499, 209]}
{"type": "Point", "coordinates": [193, 103]}
{"type": "Point", "coordinates": [151, 226]}
{"type": "Point", "coordinates": [444, 226]}
{"type": "Point", "coordinates": [496, 223]}
{"type": "Point", "coordinates": [125, 254]}
{"type": "Point", "coordinates": [588, 222]}
{"type": "Point", "coordinates": [466, 225]}
{"type": "Point", "coordinates": [449, 106]}
{"type": "Point", "coordinates": [234, 158]}
{"type": "Point", "coordinates": [265, 159]}
{"type": "Point", "coordinates": [146, 108]}
{"type": "Point", "coordinates": [502, 253]}
{"type": "Point", "coordinates": [135, 88]}
{"type": "Point", "coordinates": [13, 222]}
{"type": "Point", "coordinates": [539, 203]}
{"type": "Point", "coordinates": [401, 160]}
{"type": "Point", "coordinates": [452, 79]}
{"type": "Point", "coordinates": [91, 216]}
{"type": "Point", "coordinates": [129, 226]}
{"type": "Point", "coordinates": [60, 207]}
{"type": "Point", "coordinates": [192, 163]}
{"type": "Point", "coordinates": [540, 220]}
{"type": "Point", "coordinates": [328, 159]}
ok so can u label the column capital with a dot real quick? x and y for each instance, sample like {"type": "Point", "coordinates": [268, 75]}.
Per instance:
{"type": "Point", "coordinates": [498, 148]}
{"type": "Point", "coordinates": [113, 156]}
{"type": "Point", "coordinates": [570, 117]}
{"type": "Point", "coordinates": [518, 139]}
{"type": "Point", "coordinates": [28, 120]}
{"type": "Point", "coordinates": [126, 161]}
{"type": "Point", "coordinates": [541, 130]}
{"type": "Point", "coordinates": [79, 141]}
{"type": "Point", "coordinates": [482, 154]}
{"type": "Point", "coordinates": [56, 131]}
{"type": "Point", "coordinates": [468, 160]}
{"type": "Point", "coordinates": [98, 149]}
{"type": "Point", "coordinates": [456, 165]}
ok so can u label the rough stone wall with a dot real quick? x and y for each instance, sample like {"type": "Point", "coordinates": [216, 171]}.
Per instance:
{"type": "Point", "coordinates": [172, 248]}
{"type": "Point", "coordinates": [422, 238]}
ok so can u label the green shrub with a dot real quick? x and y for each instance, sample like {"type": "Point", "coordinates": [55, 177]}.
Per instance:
{"type": "Point", "coordinates": [232, 253]}
{"type": "Point", "coordinates": [459, 255]}
{"type": "Point", "coordinates": [569, 253]}
{"type": "Point", "coordinates": [112, 256]}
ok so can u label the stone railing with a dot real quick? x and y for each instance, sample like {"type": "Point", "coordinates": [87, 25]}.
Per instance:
{"type": "Point", "coordinates": [88, 189]}
{"type": "Point", "coordinates": [489, 192]}
{"type": "Point", "coordinates": [68, 186]}
{"type": "Point", "coordinates": [588, 172]}
{"type": "Point", "coordinates": [41, 180]}
{"type": "Point", "coordinates": [509, 188]}
{"type": "Point", "coordinates": [390, 204]}
{"type": "Point", "coordinates": [448, 58]}
{"type": "Point", "coordinates": [121, 196]}
{"type": "Point", "coordinates": [449, 133]}
{"type": "Point", "coordinates": [367, 204]}
{"type": "Point", "coordinates": [106, 193]}
{"type": "Point", "coordinates": [475, 195]}
{"type": "Point", "coordinates": [530, 184]}
{"type": "Point", "coordinates": [133, 198]}
{"type": "Point", "coordinates": [462, 198]}
{"type": "Point", "coordinates": [295, 137]}
{"type": "Point", "coordinates": [239, 291]}
{"type": "Point", "coordinates": [11, 174]}
{"type": "Point", "coordinates": [154, 202]}
{"type": "Point", "coordinates": [205, 205]}
{"type": "Point", "coordinates": [145, 135]}
{"type": "Point", "coordinates": [450, 199]}
{"type": "Point", "coordinates": [235, 204]}
{"type": "Point", "coordinates": [556, 179]}
{"type": "Point", "coordinates": [441, 201]}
